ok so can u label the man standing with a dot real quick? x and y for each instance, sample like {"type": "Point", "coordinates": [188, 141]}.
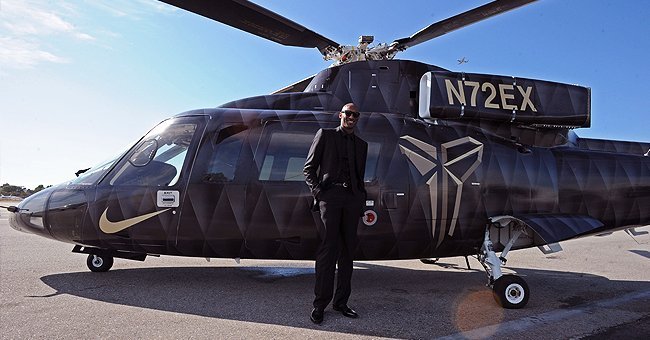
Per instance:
{"type": "Point", "coordinates": [334, 172]}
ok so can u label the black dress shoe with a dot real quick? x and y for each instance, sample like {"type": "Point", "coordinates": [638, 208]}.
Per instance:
{"type": "Point", "coordinates": [316, 316]}
{"type": "Point", "coordinates": [346, 311]}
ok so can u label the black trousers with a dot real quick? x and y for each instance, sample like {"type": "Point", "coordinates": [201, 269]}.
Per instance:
{"type": "Point", "coordinates": [340, 210]}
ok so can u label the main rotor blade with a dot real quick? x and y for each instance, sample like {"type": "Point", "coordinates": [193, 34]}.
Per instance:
{"type": "Point", "coordinates": [256, 20]}
{"type": "Point", "coordinates": [458, 21]}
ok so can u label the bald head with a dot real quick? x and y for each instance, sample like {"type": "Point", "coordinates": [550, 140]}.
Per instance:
{"type": "Point", "coordinates": [350, 107]}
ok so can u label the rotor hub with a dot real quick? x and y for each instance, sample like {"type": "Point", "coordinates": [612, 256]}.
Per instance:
{"type": "Point", "coordinates": [347, 53]}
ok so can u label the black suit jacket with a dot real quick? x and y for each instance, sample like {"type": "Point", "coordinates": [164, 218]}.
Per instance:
{"type": "Point", "coordinates": [322, 164]}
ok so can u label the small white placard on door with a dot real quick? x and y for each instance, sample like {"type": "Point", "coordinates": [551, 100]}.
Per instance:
{"type": "Point", "coordinates": [168, 198]}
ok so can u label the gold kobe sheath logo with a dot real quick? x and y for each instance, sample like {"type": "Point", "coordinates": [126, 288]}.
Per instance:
{"type": "Point", "coordinates": [449, 178]}
{"type": "Point", "coordinates": [113, 227]}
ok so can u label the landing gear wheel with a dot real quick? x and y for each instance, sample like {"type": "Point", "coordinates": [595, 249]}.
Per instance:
{"type": "Point", "coordinates": [430, 260]}
{"type": "Point", "coordinates": [99, 263]}
{"type": "Point", "coordinates": [511, 291]}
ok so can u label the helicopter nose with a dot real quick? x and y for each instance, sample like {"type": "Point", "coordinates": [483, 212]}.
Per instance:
{"type": "Point", "coordinates": [28, 215]}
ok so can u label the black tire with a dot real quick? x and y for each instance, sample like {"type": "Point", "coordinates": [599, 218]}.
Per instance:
{"type": "Point", "coordinates": [99, 263]}
{"type": "Point", "coordinates": [430, 260]}
{"type": "Point", "coordinates": [511, 292]}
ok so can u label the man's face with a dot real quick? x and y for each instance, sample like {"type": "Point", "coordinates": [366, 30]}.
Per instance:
{"type": "Point", "coordinates": [349, 119]}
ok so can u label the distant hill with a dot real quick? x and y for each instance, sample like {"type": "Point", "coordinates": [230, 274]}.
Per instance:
{"type": "Point", "coordinates": [7, 191]}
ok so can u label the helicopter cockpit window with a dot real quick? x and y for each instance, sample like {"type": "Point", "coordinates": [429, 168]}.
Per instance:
{"type": "Point", "coordinates": [144, 154]}
{"type": "Point", "coordinates": [158, 159]}
{"type": "Point", "coordinates": [94, 174]}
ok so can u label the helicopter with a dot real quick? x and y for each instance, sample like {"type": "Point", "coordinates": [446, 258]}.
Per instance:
{"type": "Point", "coordinates": [459, 164]}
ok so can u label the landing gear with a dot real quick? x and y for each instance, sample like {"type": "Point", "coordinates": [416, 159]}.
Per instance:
{"type": "Point", "coordinates": [99, 263]}
{"type": "Point", "coordinates": [101, 260]}
{"type": "Point", "coordinates": [430, 260]}
{"type": "Point", "coordinates": [510, 291]}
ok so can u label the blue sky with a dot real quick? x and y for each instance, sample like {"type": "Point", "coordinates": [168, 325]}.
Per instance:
{"type": "Point", "coordinates": [80, 80]}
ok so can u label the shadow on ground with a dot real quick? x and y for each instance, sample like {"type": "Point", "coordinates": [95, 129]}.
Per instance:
{"type": "Point", "coordinates": [393, 302]}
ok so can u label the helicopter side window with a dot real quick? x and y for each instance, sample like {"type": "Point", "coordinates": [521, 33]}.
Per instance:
{"type": "Point", "coordinates": [225, 155]}
{"type": "Point", "coordinates": [287, 152]}
{"type": "Point", "coordinates": [285, 156]}
{"type": "Point", "coordinates": [158, 159]}
{"type": "Point", "coordinates": [371, 161]}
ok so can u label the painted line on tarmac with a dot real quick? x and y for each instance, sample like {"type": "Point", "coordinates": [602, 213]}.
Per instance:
{"type": "Point", "coordinates": [515, 326]}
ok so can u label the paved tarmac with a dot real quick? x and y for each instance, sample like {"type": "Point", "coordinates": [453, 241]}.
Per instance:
{"type": "Point", "coordinates": [597, 288]}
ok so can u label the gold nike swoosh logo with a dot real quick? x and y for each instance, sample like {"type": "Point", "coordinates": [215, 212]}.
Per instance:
{"type": "Point", "coordinates": [112, 227]}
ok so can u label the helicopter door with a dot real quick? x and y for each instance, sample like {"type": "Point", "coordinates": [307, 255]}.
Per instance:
{"type": "Point", "coordinates": [282, 223]}
{"type": "Point", "coordinates": [145, 190]}
{"type": "Point", "coordinates": [386, 210]}
{"type": "Point", "coordinates": [213, 214]}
